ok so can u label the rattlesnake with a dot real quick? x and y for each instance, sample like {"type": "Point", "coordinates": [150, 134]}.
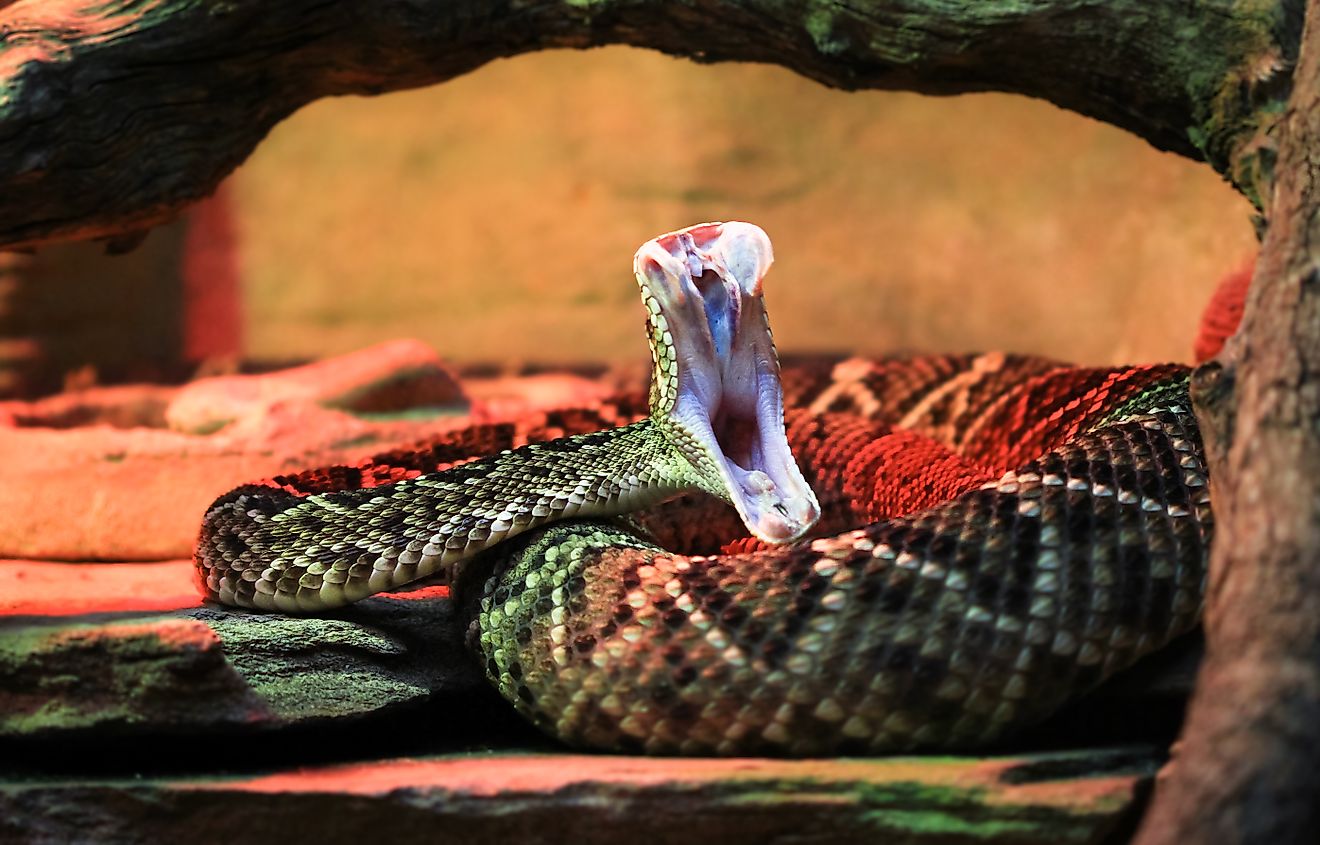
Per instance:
{"type": "Point", "coordinates": [1030, 529]}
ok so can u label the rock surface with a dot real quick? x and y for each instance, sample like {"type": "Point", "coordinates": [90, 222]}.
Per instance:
{"type": "Point", "coordinates": [1078, 797]}
{"type": "Point", "coordinates": [127, 649]}
{"type": "Point", "coordinates": [125, 473]}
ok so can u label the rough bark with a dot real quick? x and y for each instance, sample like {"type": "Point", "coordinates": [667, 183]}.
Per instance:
{"type": "Point", "coordinates": [114, 115]}
{"type": "Point", "coordinates": [1249, 768]}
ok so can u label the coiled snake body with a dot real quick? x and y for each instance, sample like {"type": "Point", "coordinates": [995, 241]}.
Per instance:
{"type": "Point", "coordinates": [1030, 529]}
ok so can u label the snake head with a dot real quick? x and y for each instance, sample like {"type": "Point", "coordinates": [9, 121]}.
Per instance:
{"type": "Point", "coordinates": [716, 392]}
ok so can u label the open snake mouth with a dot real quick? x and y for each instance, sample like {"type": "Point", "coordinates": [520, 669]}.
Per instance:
{"type": "Point", "coordinates": [718, 375]}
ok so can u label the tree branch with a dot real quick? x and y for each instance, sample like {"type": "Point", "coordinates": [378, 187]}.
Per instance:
{"type": "Point", "coordinates": [115, 115]}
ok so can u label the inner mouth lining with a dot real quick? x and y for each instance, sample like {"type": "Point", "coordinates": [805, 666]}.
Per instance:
{"type": "Point", "coordinates": [742, 446]}
{"type": "Point", "coordinates": [739, 439]}
{"type": "Point", "coordinates": [738, 419]}
{"type": "Point", "coordinates": [721, 311]}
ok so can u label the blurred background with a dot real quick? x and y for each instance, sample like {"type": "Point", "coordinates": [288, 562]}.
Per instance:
{"type": "Point", "coordinates": [495, 217]}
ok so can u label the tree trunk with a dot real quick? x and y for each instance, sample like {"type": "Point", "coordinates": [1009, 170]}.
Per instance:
{"type": "Point", "coordinates": [1249, 766]}
{"type": "Point", "coordinates": [113, 116]}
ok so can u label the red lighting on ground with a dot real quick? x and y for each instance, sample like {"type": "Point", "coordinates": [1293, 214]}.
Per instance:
{"type": "Point", "coordinates": [43, 588]}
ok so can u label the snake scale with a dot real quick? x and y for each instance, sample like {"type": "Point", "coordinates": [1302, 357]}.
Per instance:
{"type": "Point", "coordinates": [1028, 529]}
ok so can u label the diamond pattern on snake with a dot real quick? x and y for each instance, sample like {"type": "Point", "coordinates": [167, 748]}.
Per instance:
{"type": "Point", "coordinates": [874, 556]}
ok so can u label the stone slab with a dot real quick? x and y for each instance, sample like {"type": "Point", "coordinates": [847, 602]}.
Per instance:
{"type": "Point", "coordinates": [129, 649]}
{"type": "Point", "coordinates": [1088, 796]}
{"type": "Point", "coordinates": [125, 473]}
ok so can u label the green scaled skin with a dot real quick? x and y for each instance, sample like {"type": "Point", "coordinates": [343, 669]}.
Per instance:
{"type": "Point", "coordinates": [267, 548]}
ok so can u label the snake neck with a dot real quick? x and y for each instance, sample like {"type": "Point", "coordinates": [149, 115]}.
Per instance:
{"type": "Point", "coordinates": [271, 550]}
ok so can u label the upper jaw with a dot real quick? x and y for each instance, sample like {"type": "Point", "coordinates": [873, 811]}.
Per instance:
{"type": "Point", "coordinates": [707, 281]}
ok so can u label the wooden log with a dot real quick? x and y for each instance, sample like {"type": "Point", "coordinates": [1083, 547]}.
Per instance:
{"type": "Point", "coordinates": [114, 116]}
